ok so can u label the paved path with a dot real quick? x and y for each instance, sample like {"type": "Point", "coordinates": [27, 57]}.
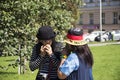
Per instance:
{"type": "Point", "coordinates": [102, 44]}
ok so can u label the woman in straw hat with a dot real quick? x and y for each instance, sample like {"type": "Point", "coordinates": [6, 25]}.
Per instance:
{"type": "Point", "coordinates": [77, 59]}
{"type": "Point", "coordinates": [45, 55]}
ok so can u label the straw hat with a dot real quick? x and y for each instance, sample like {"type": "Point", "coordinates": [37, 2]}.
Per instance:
{"type": "Point", "coordinates": [75, 37]}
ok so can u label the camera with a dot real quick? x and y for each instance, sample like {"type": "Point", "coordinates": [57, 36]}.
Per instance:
{"type": "Point", "coordinates": [43, 76]}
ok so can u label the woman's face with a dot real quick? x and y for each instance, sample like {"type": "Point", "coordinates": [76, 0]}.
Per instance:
{"type": "Point", "coordinates": [44, 42]}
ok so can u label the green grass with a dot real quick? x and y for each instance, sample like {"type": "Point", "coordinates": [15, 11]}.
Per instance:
{"type": "Point", "coordinates": [106, 65]}
{"type": "Point", "coordinates": [106, 62]}
{"type": "Point", "coordinates": [95, 42]}
{"type": "Point", "coordinates": [11, 73]}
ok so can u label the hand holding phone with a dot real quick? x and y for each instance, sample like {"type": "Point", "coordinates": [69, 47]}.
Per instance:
{"type": "Point", "coordinates": [42, 51]}
{"type": "Point", "coordinates": [48, 49]}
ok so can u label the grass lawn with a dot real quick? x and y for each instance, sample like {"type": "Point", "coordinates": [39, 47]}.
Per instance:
{"type": "Point", "coordinates": [106, 65]}
{"type": "Point", "coordinates": [106, 62]}
{"type": "Point", "coordinates": [12, 73]}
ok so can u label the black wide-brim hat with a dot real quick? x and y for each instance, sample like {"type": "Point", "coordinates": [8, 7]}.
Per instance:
{"type": "Point", "coordinates": [45, 33]}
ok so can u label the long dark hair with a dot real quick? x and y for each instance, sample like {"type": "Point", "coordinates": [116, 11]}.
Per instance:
{"type": "Point", "coordinates": [84, 52]}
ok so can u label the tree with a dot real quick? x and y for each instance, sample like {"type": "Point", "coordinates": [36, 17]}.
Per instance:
{"type": "Point", "coordinates": [17, 27]}
{"type": "Point", "coordinates": [20, 20]}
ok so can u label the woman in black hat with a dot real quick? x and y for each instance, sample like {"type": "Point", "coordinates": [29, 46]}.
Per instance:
{"type": "Point", "coordinates": [46, 54]}
{"type": "Point", "coordinates": [77, 60]}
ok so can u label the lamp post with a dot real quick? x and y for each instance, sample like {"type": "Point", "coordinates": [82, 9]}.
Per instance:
{"type": "Point", "coordinates": [100, 20]}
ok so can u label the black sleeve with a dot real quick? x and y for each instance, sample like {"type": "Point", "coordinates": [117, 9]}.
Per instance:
{"type": "Point", "coordinates": [57, 53]}
{"type": "Point", "coordinates": [35, 60]}
{"type": "Point", "coordinates": [55, 58]}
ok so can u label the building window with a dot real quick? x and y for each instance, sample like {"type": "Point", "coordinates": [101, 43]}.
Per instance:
{"type": "Point", "coordinates": [91, 18]}
{"type": "Point", "coordinates": [115, 18]}
{"type": "Point", "coordinates": [81, 19]}
{"type": "Point", "coordinates": [90, 1]}
{"type": "Point", "coordinates": [103, 0]}
{"type": "Point", "coordinates": [103, 18]}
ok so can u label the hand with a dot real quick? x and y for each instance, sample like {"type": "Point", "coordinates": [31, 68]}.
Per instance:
{"type": "Point", "coordinates": [42, 50]}
{"type": "Point", "coordinates": [62, 61]}
{"type": "Point", "coordinates": [48, 49]}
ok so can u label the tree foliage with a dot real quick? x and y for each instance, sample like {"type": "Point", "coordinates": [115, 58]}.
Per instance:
{"type": "Point", "coordinates": [20, 19]}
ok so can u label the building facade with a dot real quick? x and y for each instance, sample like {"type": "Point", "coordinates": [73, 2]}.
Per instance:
{"type": "Point", "coordinates": [90, 15]}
